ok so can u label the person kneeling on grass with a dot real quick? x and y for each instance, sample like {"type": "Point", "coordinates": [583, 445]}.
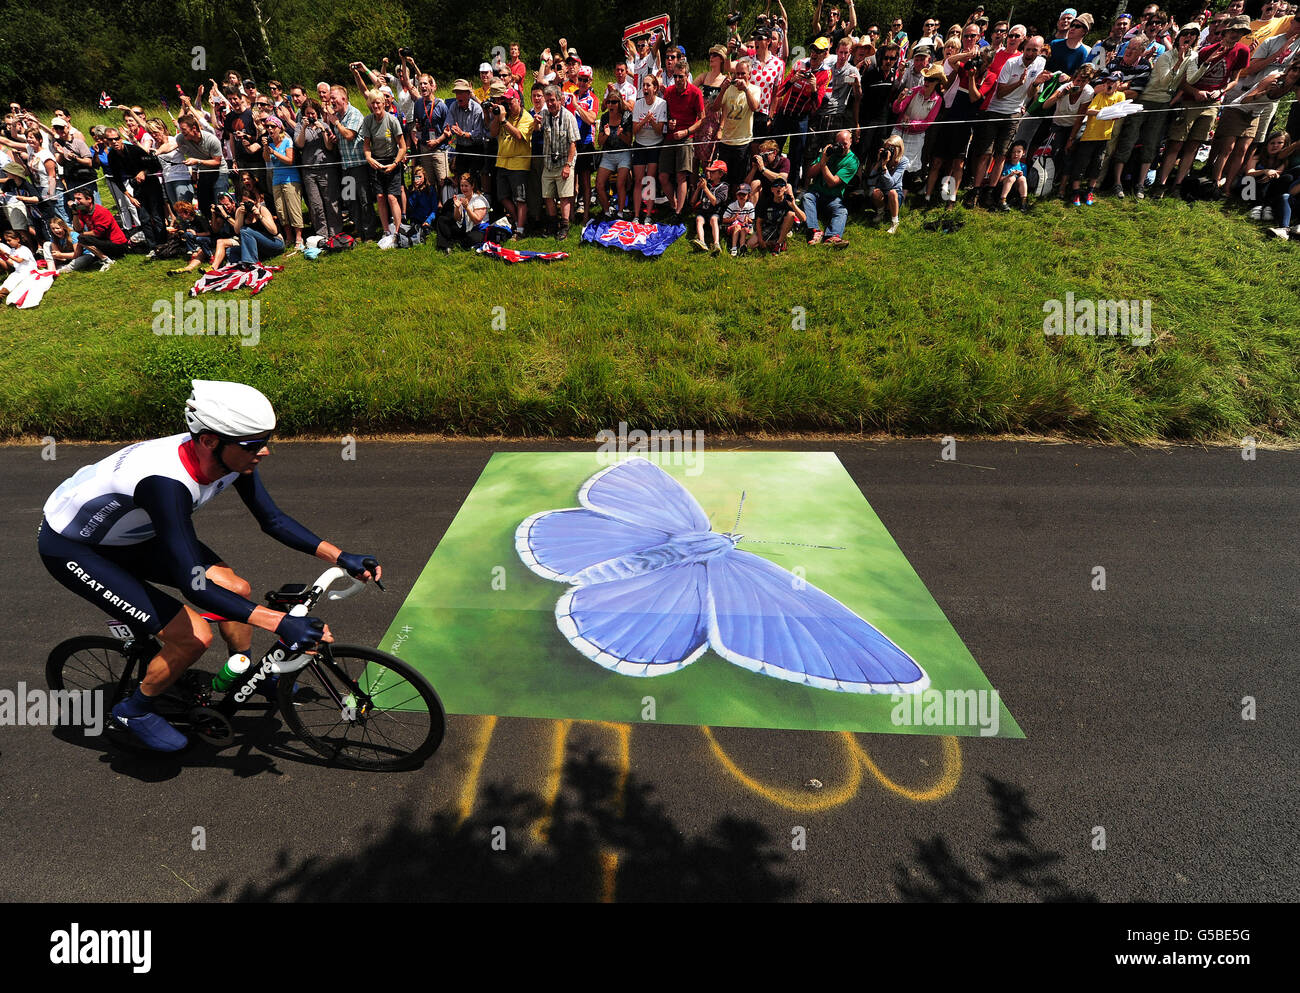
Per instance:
{"type": "Point", "coordinates": [775, 216]}
{"type": "Point", "coordinates": [739, 219]}
{"type": "Point", "coordinates": [885, 181]}
{"type": "Point", "coordinates": [97, 230]}
{"type": "Point", "coordinates": [709, 198]}
{"type": "Point", "coordinates": [1013, 178]}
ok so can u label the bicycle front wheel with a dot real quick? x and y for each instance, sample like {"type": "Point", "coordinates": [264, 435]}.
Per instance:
{"type": "Point", "coordinates": [363, 708]}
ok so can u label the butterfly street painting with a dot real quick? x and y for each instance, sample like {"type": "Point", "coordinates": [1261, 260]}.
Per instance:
{"type": "Point", "coordinates": [758, 590]}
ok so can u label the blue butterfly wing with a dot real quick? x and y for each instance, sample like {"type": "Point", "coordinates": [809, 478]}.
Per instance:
{"type": "Point", "coordinates": [644, 625]}
{"type": "Point", "coordinates": [639, 492]}
{"type": "Point", "coordinates": [557, 544]}
{"type": "Point", "coordinates": [762, 620]}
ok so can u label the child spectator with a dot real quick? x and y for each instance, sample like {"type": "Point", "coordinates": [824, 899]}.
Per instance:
{"type": "Point", "coordinates": [738, 219]}
{"type": "Point", "coordinates": [708, 199]}
{"type": "Point", "coordinates": [775, 216]}
{"type": "Point", "coordinates": [1093, 135]}
{"type": "Point", "coordinates": [1013, 178]}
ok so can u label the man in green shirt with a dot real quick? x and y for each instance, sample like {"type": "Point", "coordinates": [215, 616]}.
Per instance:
{"type": "Point", "coordinates": [829, 179]}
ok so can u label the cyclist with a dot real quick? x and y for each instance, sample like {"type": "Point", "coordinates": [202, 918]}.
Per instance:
{"type": "Point", "coordinates": [116, 527]}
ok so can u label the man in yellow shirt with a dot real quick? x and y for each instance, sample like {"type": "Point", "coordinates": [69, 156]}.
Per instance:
{"type": "Point", "coordinates": [1095, 135]}
{"type": "Point", "coordinates": [512, 126]}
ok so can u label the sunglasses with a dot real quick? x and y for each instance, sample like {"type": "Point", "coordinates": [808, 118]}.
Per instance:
{"type": "Point", "coordinates": [252, 446]}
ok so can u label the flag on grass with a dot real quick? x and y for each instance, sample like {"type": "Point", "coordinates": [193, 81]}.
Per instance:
{"type": "Point", "coordinates": [631, 236]}
{"type": "Point", "coordinates": [493, 250]}
{"type": "Point", "coordinates": [241, 275]}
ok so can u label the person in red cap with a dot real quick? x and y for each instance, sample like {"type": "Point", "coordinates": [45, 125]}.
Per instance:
{"type": "Point", "coordinates": [709, 198]}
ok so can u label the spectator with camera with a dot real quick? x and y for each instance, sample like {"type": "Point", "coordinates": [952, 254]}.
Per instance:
{"type": "Point", "coordinates": [709, 199]}
{"type": "Point", "coordinates": [512, 126]}
{"type": "Point", "coordinates": [74, 157]}
{"type": "Point", "coordinates": [286, 184]}
{"type": "Point", "coordinates": [254, 225]}
{"type": "Point", "coordinates": [775, 215]}
{"type": "Point", "coordinates": [738, 101]}
{"type": "Point", "coordinates": [559, 150]}
{"type": "Point", "coordinates": [317, 148]}
{"type": "Point", "coordinates": [828, 181]}
{"type": "Point", "coordinates": [885, 181]}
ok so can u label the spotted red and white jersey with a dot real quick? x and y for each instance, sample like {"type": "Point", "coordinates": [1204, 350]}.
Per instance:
{"type": "Point", "coordinates": [765, 77]}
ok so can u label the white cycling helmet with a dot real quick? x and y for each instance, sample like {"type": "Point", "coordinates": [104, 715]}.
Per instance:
{"type": "Point", "coordinates": [230, 409]}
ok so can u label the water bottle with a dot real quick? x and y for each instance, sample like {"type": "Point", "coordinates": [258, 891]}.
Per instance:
{"type": "Point", "coordinates": [235, 667]}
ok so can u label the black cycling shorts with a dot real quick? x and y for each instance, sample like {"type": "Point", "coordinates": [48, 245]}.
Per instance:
{"type": "Point", "coordinates": [117, 578]}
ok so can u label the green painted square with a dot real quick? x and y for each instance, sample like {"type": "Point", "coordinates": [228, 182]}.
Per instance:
{"type": "Point", "coordinates": [482, 626]}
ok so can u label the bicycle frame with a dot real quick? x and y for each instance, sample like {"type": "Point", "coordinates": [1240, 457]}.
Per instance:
{"type": "Point", "coordinates": [278, 660]}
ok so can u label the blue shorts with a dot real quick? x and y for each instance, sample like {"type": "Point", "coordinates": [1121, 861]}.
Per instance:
{"type": "Point", "coordinates": [614, 161]}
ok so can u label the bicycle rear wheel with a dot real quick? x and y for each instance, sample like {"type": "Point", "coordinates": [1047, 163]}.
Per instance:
{"type": "Point", "coordinates": [91, 662]}
{"type": "Point", "coordinates": [363, 708]}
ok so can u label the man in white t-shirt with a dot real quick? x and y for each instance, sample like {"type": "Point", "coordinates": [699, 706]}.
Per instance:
{"type": "Point", "coordinates": [1018, 81]}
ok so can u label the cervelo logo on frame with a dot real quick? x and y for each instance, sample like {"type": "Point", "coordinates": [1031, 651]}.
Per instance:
{"type": "Point", "coordinates": [102, 947]}
{"type": "Point", "coordinates": [682, 447]}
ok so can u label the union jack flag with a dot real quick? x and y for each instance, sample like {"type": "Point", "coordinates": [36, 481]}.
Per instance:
{"type": "Point", "coordinates": [252, 275]}
{"type": "Point", "coordinates": [105, 101]}
{"type": "Point", "coordinates": [491, 248]}
{"type": "Point", "coordinates": [632, 236]}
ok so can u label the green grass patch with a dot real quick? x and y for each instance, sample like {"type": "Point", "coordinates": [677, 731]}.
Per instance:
{"type": "Point", "coordinates": [915, 333]}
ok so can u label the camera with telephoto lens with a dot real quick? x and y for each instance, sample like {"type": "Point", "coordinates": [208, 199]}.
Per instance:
{"type": "Point", "coordinates": [404, 53]}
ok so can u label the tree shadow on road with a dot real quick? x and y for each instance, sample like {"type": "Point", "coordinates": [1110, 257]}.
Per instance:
{"type": "Point", "coordinates": [1015, 866]}
{"type": "Point", "coordinates": [590, 823]}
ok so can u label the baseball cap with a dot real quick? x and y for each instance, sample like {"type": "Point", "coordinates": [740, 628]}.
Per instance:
{"type": "Point", "coordinates": [58, 122]}
{"type": "Point", "coordinates": [778, 181]}
{"type": "Point", "coordinates": [717, 165]}
{"type": "Point", "coordinates": [761, 33]}
{"type": "Point", "coordinates": [461, 84]}
{"type": "Point", "coordinates": [822, 44]}
{"type": "Point", "coordinates": [742, 188]}
{"type": "Point", "coordinates": [922, 50]}
{"type": "Point", "coordinates": [386, 90]}
{"type": "Point", "coordinates": [1191, 26]}
{"type": "Point", "coordinates": [497, 89]}
{"type": "Point", "coordinates": [485, 67]}
{"type": "Point", "coordinates": [584, 72]}
{"type": "Point", "coordinates": [512, 94]}
{"type": "Point", "coordinates": [1069, 12]}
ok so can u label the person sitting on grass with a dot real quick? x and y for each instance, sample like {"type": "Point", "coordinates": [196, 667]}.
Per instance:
{"type": "Point", "coordinates": [62, 251]}
{"type": "Point", "coordinates": [461, 221]}
{"type": "Point", "coordinates": [885, 181]}
{"type": "Point", "coordinates": [16, 260]}
{"type": "Point", "coordinates": [97, 230]}
{"type": "Point", "coordinates": [708, 199]}
{"type": "Point", "coordinates": [1013, 178]}
{"type": "Point", "coordinates": [259, 235]}
{"type": "Point", "coordinates": [829, 178]}
{"type": "Point", "coordinates": [775, 216]}
{"type": "Point", "coordinates": [421, 200]}
{"type": "Point", "coordinates": [738, 219]}
{"type": "Point", "coordinates": [1093, 135]}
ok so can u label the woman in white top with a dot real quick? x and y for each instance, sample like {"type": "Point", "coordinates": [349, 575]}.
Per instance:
{"type": "Point", "coordinates": [1067, 102]}
{"type": "Point", "coordinates": [42, 164]}
{"type": "Point", "coordinates": [649, 118]}
{"type": "Point", "coordinates": [176, 174]}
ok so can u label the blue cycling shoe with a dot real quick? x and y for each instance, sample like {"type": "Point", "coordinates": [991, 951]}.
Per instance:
{"type": "Point", "coordinates": [149, 729]}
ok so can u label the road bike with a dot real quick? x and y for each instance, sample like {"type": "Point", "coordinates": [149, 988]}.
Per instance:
{"type": "Point", "coordinates": [358, 707]}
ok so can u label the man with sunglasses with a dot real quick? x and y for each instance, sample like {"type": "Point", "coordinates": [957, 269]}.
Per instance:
{"type": "Point", "coordinates": [838, 27]}
{"type": "Point", "coordinates": [115, 528]}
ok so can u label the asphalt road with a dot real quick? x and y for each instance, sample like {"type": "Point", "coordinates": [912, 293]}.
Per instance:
{"type": "Point", "coordinates": [1131, 699]}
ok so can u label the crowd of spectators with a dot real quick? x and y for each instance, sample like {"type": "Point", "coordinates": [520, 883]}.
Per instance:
{"type": "Point", "coordinates": [751, 144]}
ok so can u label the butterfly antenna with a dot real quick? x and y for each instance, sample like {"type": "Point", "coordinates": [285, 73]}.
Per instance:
{"type": "Point", "coordinates": [799, 544]}
{"type": "Point", "coordinates": [738, 510]}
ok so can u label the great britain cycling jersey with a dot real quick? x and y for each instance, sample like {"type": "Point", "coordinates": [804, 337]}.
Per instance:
{"type": "Point", "coordinates": [126, 519]}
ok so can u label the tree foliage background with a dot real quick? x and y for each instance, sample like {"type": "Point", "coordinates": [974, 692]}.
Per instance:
{"type": "Point", "coordinates": [67, 51]}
